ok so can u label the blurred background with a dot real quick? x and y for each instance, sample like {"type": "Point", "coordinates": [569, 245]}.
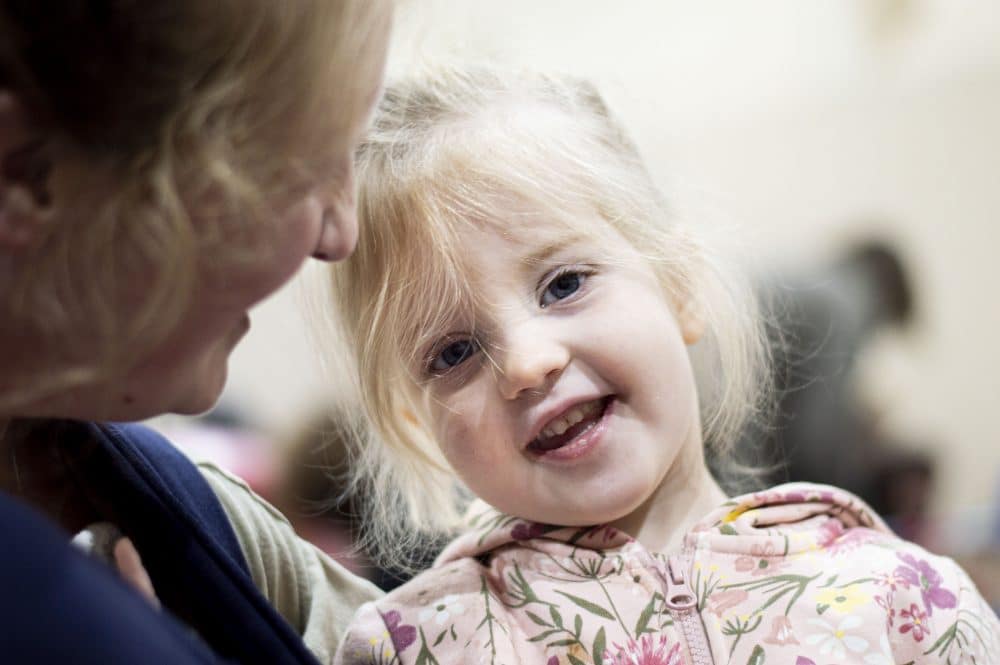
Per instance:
{"type": "Point", "coordinates": [850, 148]}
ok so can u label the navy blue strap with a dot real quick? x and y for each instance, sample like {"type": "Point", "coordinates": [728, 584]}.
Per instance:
{"type": "Point", "coordinates": [137, 480]}
{"type": "Point", "coordinates": [59, 606]}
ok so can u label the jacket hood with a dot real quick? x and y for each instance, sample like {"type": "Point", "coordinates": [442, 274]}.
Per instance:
{"type": "Point", "coordinates": [784, 520]}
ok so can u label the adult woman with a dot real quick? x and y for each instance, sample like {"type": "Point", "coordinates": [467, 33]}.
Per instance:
{"type": "Point", "coordinates": [163, 168]}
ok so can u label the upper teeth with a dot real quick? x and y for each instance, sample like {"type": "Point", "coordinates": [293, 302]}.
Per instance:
{"type": "Point", "coordinates": [558, 426]}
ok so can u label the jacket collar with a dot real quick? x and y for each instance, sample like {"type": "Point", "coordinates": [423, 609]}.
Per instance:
{"type": "Point", "coordinates": [786, 519]}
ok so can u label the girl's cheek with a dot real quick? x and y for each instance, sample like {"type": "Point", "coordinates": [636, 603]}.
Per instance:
{"type": "Point", "coordinates": [466, 444]}
{"type": "Point", "coordinates": [453, 436]}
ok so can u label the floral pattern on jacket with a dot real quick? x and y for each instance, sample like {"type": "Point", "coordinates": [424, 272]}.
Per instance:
{"type": "Point", "coordinates": [800, 574]}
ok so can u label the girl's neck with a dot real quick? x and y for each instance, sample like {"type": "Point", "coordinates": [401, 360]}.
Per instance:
{"type": "Point", "coordinates": [688, 492]}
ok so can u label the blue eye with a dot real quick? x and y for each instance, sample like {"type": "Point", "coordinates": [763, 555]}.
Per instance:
{"type": "Point", "coordinates": [453, 355]}
{"type": "Point", "coordinates": [562, 286]}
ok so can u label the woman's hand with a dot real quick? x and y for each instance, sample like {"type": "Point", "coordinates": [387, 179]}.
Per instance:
{"type": "Point", "coordinates": [105, 541]}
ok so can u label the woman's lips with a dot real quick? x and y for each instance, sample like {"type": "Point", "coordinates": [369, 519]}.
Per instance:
{"type": "Point", "coordinates": [578, 440]}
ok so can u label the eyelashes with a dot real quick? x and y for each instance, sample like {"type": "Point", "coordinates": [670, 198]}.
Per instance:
{"type": "Point", "coordinates": [565, 282]}
{"type": "Point", "coordinates": [449, 354]}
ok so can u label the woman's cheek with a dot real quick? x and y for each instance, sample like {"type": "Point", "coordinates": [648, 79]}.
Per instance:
{"type": "Point", "coordinates": [280, 251]}
{"type": "Point", "coordinates": [294, 239]}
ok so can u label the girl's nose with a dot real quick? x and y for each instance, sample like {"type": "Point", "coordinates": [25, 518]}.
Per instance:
{"type": "Point", "coordinates": [531, 364]}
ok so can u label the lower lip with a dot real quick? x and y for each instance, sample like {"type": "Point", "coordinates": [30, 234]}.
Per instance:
{"type": "Point", "coordinates": [583, 443]}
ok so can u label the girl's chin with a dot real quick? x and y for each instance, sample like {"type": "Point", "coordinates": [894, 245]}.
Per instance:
{"type": "Point", "coordinates": [605, 509]}
{"type": "Point", "coordinates": [578, 517]}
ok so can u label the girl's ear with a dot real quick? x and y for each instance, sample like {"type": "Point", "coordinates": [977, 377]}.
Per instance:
{"type": "Point", "coordinates": [25, 169]}
{"type": "Point", "coordinates": [691, 319]}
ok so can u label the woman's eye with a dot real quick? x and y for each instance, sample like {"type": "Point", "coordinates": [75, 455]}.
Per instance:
{"type": "Point", "coordinates": [453, 355]}
{"type": "Point", "coordinates": [562, 286]}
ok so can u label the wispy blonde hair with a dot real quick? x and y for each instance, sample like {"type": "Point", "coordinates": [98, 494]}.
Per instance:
{"type": "Point", "coordinates": [446, 149]}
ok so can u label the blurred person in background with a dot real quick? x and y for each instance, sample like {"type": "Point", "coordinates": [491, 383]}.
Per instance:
{"type": "Point", "coordinates": [165, 167]}
{"type": "Point", "coordinates": [312, 488]}
{"type": "Point", "coordinates": [822, 320]}
{"type": "Point", "coordinates": [825, 431]}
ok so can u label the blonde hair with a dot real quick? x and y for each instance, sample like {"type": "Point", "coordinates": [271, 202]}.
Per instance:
{"type": "Point", "coordinates": [445, 147]}
{"type": "Point", "coordinates": [186, 105]}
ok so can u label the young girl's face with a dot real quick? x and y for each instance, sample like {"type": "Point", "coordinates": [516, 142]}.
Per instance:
{"type": "Point", "coordinates": [572, 394]}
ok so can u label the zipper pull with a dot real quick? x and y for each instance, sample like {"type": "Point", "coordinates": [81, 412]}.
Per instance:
{"type": "Point", "coordinates": [679, 596]}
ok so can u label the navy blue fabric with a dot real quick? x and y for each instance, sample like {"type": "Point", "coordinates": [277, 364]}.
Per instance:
{"type": "Point", "coordinates": [58, 606]}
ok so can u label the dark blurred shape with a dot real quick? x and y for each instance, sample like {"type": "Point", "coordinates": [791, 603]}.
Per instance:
{"type": "Point", "coordinates": [305, 478]}
{"type": "Point", "coordinates": [312, 492]}
{"type": "Point", "coordinates": [823, 431]}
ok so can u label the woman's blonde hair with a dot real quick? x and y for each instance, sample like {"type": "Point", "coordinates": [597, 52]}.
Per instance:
{"type": "Point", "coordinates": [184, 105]}
{"type": "Point", "coordinates": [447, 149]}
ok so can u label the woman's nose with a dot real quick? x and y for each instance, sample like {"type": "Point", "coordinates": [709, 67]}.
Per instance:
{"type": "Point", "coordinates": [531, 363]}
{"type": "Point", "coordinates": [339, 225]}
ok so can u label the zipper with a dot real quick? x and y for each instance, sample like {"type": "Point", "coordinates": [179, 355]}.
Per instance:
{"type": "Point", "coordinates": [682, 603]}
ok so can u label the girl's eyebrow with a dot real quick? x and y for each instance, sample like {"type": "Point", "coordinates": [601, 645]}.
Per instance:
{"type": "Point", "coordinates": [545, 252]}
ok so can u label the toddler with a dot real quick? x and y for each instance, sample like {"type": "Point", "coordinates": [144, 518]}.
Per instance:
{"type": "Point", "coordinates": [519, 313]}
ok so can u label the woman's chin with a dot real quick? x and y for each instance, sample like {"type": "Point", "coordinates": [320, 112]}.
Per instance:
{"type": "Point", "coordinates": [195, 407]}
{"type": "Point", "coordinates": [186, 391]}
{"type": "Point", "coordinates": [203, 394]}
{"type": "Point", "coordinates": [187, 384]}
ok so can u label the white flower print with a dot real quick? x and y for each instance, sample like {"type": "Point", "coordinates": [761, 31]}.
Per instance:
{"type": "Point", "coordinates": [832, 640]}
{"type": "Point", "coordinates": [884, 654]}
{"type": "Point", "coordinates": [442, 610]}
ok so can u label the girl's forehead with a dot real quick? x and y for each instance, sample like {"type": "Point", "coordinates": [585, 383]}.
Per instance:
{"type": "Point", "coordinates": [527, 223]}
{"type": "Point", "coordinates": [519, 234]}
{"type": "Point", "coordinates": [532, 237]}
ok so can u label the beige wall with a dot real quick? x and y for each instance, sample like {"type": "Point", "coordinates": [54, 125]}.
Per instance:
{"type": "Point", "coordinates": [800, 124]}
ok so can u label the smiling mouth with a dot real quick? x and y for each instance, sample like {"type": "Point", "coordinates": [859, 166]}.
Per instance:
{"type": "Point", "coordinates": [577, 421]}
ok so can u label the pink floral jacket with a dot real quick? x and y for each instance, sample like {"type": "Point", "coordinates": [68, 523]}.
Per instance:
{"type": "Point", "coordinates": [800, 574]}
